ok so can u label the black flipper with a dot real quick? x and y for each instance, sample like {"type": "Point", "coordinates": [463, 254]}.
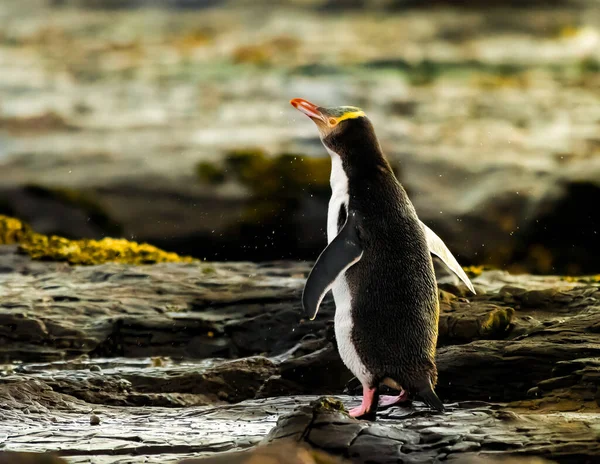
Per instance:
{"type": "Point", "coordinates": [429, 397]}
{"type": "Point", "coordinates": [343, 252]}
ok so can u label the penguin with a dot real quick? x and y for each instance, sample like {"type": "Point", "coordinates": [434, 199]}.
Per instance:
{"type": "Point", "coordinates": [378, 264]}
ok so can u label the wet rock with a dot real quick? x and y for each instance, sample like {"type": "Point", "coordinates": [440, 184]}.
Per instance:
{"type": "Point", "coordinates": [8, 457]}
{"type": "Point", "coordinates": [136, 345]}
{"type": "Point", "coordinates": [281, 453]}
{"type": "Point", "coordinates": [194, 310]}
{"type": "Point", "coordinates": [417, 435]}
{"type": "Point", "coordinates": [530, 324]}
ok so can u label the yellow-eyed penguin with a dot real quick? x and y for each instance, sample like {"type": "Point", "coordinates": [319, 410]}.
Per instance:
{"type": "Point", "coordinates": [378, 265]}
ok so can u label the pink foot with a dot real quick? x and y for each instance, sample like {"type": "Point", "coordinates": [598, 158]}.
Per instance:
{"type": "Point", "coordinates": [388, 400]}
{"type": "Point", "coordinates": [367, 405]}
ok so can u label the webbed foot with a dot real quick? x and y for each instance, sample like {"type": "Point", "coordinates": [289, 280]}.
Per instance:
{"type": "Point", "coordinates": [368, 408]}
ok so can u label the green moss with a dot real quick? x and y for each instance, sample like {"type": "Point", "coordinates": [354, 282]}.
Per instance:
{"type": "Point", "coordinates": [80, 200]}
{"type": "Point", "coordinates": [296, 172]}
{"type": "Point", "coordinates": [246, 164]}
{"type": "Point", "coordinates": [326, 403]}
{"type": "Point", "coordinates": [208, 270]}
{"type": "Point", "coordinates": [286, 174]}
{"type": "Point", "coordinates": [498, 322]}
{"type": "Point", "coordinates": [89, 252]}
{"type": "Point", "coordinates": [210, 173]}
{"type": "Point", "coordinates": [589, 66]}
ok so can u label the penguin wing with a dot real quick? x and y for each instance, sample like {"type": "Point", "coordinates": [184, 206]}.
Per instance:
{"type": "Point", "coordinates": [343, 252]}
{"type": "Point", "coordinates": [439, 248]}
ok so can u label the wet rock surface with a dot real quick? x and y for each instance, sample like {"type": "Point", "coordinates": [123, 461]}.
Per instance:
{"type": "Point", "coordinates": [464, 430]}
{"type": "Point", "coordinates": [158, 363]}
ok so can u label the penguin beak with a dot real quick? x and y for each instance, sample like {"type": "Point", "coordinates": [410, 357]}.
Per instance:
{"type": "Point", "coordinates": [309, 109]}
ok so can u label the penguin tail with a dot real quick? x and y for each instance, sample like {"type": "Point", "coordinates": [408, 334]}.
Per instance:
{"type": "Point", "coordinates": [429, 397]}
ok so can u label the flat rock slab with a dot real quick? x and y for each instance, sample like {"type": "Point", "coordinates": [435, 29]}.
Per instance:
{"type": "Point", "coordinates": [196, 311]}
{"type": "Point", "coordinates": [407, 434]}
{"type": "Point", "coordinates": [49, 421]}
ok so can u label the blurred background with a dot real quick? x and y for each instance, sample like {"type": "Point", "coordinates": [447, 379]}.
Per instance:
{"type": "Point", "coordinates": [168, 121]}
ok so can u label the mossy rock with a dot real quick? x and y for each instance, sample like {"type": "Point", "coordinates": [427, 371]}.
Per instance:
{"type": "Point", "coordinates": [497, 323]}
{"type": "Point", "coordinates": [288, 173]}
{"type": "Point", "coordinates": [210, 173]}
{"type": "Point", "coordinates": [88, 252]}
{"type": "Point", "coordinates": [326, 403]}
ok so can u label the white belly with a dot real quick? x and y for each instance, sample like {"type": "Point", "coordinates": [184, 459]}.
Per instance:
{"type": "Point", "coordinates": [343, 331]}
{"type": "Point", "coordinates": [341, 293]}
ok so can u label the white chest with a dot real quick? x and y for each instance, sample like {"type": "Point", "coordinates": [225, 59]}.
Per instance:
{"type": "Point", "coordinates": [341, 293]}
{"type": "Point", "coordinates": [339, 195]}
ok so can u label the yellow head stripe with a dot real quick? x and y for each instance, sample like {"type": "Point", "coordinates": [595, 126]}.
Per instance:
{"type": "Point", "coordinates": [351, 115]}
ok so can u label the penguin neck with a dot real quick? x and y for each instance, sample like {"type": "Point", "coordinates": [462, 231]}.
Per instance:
{"type": "Point", "coordinates": [339, 177]}
{"type": "Point", "coordinates": [353, 164]}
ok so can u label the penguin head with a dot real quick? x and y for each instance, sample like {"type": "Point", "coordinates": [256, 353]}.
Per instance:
{"type": "Point", "coordinates": [328, 120]}
{"type": "Point", "coordinates": [339, 127]}
{"type": "Point", "coordinates": [347, 132]}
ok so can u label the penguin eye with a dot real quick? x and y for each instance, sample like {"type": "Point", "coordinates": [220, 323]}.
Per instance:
{"type": "Point", "coordinates": [332, 121]}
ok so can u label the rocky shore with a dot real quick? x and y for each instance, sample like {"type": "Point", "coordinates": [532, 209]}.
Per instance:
{"type": "Point", "coordinates": [157, 363]}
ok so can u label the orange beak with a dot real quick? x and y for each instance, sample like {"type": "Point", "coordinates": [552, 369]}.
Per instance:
{"type": "Point", "coordinates": [308, 108]}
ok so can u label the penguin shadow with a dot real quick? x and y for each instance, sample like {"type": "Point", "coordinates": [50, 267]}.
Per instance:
{"type": "Point", "coordinates": [404, 410]}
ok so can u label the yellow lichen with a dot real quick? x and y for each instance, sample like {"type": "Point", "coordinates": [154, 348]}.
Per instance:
{"type": "Point", "coordinates": [85, 251]}
{"type": "Point", "coordinates": [12, 230]}
{"type": "Point", "coordinates": [475, 271]}
{"type": "Point", "coordinates": [592, 279]}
